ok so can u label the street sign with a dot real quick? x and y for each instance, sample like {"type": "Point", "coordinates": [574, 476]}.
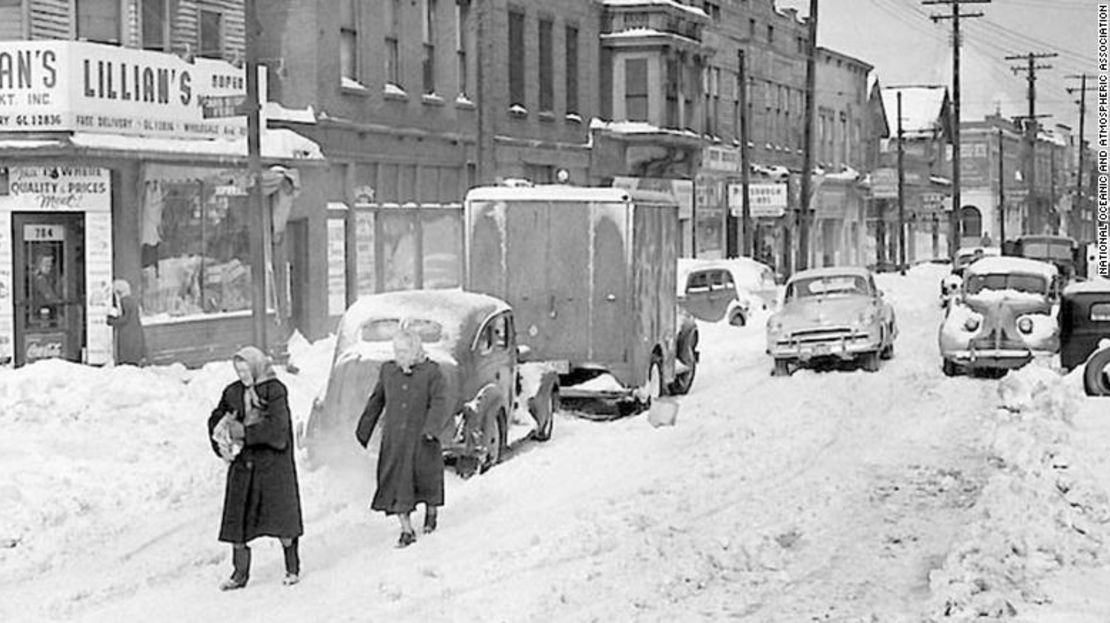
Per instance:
{"type": "Point", "coordinates": [766, 200]}
{"type": "Point", "coordinates": [884, 183]}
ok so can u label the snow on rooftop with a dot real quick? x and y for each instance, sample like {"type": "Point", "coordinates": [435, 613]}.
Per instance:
{"type": "Point", "coordinates": [277, 112]}
{"type": "Point", "coordinates": [1009, 264]}
{"type": "Point", "coordinates": [283, 144]}
{"type": "Point", "coordinates": [922, 108]}
{"type": "Point", "coordinates": [694, 11]}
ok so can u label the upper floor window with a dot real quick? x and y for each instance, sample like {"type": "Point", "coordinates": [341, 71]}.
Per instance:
{"type": "Point", "coordinates": [547, 70]}
{"type": "Point", "coordinates": [429, 35]}
{"type": "Point", "coordinates": [462, 14]}
{"type": "Point", "coordinates": [155, 24]}
{"type": "Point", "coordinates": [98, 20]}
{"type": "Point", "coordinates": [572, 70]}
{"type": "Point", "coordinates": [516, 59]}
{"type": "Point", "coordinates": [636, 89]}
{"type": "Point", "coordinates": [348, 42]}
{"type": "Point", "coordinates": [392, 23]}
{"type": "Point", "coordinates": [770, 35]}
{"type": "Point", "coordinates": [210, 40]}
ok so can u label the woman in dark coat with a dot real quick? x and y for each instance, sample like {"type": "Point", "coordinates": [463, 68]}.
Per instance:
{"type": "Point", "coordinates": [251, 429]}
{"type": "Point", "coordinates": [130, 341]}
{"type": "Point", "coordinates": [409, 398]}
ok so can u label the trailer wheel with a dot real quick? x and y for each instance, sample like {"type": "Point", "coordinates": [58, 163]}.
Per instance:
{"type": "Point", "coordinates": [656, 387]}
{"type": "Point", "coordinates": [1095, 382]}
{"type": "Point", "coordinates": [544, 405]}
{"type": "Point", "coordinates": [493, 437]}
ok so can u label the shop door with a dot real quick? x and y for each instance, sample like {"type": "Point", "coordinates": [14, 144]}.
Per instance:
{"type": "Point", "coordinates": [49, 279]}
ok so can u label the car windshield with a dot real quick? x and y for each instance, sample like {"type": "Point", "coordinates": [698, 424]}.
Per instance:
{"type": "Point", "coordinates": [1033, 284]}
{"type": "Point", "coordinates": [383, 329]}
{"type": "Point", "coordinates": [1046, 251]}
{"type": "Point", "coordinates": [828, 285]}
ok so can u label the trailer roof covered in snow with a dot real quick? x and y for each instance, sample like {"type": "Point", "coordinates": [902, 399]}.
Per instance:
{"type": "Point", "coordinates": [560, 192]}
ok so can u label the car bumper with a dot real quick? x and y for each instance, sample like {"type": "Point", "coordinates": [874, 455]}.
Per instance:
{"type": "Point", "coordinates": [1001, 358]}
{"type": "Point", "coordinates": [845, 348]}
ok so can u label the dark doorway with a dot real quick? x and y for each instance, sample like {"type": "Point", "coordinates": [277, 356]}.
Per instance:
{"type": "Point", "coordinates": [49, 277]}
{"type": "Point", "coordinates": [297, 236]}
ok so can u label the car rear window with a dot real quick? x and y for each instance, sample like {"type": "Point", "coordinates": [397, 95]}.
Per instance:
{"type": "Point", "coordinates": [1100, 312]}
{"type": "Point", "coordinates": [383, 329]}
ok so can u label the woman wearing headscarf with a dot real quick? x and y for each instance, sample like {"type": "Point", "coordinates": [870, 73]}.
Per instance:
{"type": "Point", "coordinates": [130, 341]}
{"type": "Point", "coordinates": [410, 401]}
{"type": "Point", "coordinates": [251, 430]}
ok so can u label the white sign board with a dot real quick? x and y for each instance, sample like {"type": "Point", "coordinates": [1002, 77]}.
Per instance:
{"type": "Point", "coordinates": [884, 183]}
{"type": "Point", "coordinates": [765, 199]}
{"type": "Point", "coordinates": [62, 189]}
{"type": "Point", "coordinates": [77, 86]}
{"type": "Point", "coordinates": [337, 266]}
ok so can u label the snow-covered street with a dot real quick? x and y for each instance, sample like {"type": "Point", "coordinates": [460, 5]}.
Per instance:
{"type": "Point", "coordinates": [901, 495]}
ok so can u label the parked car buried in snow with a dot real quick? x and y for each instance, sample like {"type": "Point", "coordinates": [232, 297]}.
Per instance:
{"type": "Point", "coordinates": [831, 313]}
{"type": "Point", "coordinates": [1084, 321]}
{"type": "Point", "coordinates": [473, 339]}
{"type": "Point", "coordinates": [1003, 316]}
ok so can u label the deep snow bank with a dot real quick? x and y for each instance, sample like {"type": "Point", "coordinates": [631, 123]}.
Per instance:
{"type": "Point", "coordinates": [1043, 510]}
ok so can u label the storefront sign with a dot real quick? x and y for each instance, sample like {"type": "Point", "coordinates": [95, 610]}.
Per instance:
{"type": "Point", "coordinates": [884, 183]}
{"type": "Point", "coordinates": [57, 189]}
{"type": "Point", "coordinates": [683, 190]}
{"type": "Point", "coordinates": [44, 346]}
{"type": "Point", "coordinates": [337, 267]}
{"type": "Point", "coordinates": [90, 87]}
{"type": "Point", "coordinates": [54, 189]}
{"type": "Point", "coordinates": [726, 159]}
{"type": "Point", "coordinates": [765, 200]}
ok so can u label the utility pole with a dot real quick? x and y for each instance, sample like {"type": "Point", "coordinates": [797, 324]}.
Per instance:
{"type": "Point", "coordinates": [807, 161]}
{"type": "Point", "coordinates": [956, 16]}
{"type": "Point", "coordinates": [745, 173]}
{"type": "Point", "coordinates": [257, 220]}
{"type": "Point", "coordinates": [901, 193]}
{"type": "Point", "coordinates": [1083, 88]}
{"type": "Point", "coordinates": [1001, 191]}
{"type": "Point", "coordinates": [1031, 125]}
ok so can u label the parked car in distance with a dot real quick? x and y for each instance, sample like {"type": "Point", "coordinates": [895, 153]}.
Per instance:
{"type": "Point", "coordinates": [831, 313]}
{"type": "Point", "coordinates": [473, 339]}
{"type": "Point", "coordinates": [1084, 320]}
{"type": "Point", "coordinates": [1002, 316]}
{"type": "Point", "coordinates": [965, 256]}
{"type": "Point", "coordinates": [709, 293]}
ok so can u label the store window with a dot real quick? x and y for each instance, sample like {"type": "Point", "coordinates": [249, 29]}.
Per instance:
{"type": "Point", "coordinates": [98, 20]}
{"type": "Point", "coordinates": [195, 242]}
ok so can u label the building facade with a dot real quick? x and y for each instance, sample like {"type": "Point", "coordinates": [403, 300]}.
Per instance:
{"type": "Point", "coordinates": [121, 160]}
{"type": "Point", "coordinates": [926, 137]}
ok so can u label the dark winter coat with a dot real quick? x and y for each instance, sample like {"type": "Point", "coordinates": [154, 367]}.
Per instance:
{"type": "Point", "coordinates": [413, 410]}
{"type": "Point", "coordinates": [130, 341]}
{"type": "Point", "coordinates": [262, 497]}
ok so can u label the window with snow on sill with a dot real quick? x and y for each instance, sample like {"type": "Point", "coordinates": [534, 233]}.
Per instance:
{"type": "Point", "coordinates": [349, 83]}
{"type": "Point", "coordinates": [394, 90]}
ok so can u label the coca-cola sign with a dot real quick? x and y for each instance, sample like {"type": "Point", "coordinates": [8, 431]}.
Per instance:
{"type": "Point", "coordinates": [44, 346]}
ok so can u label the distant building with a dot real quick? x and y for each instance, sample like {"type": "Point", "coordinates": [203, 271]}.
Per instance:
{"type": "Point", "coordinates": [927, 138]}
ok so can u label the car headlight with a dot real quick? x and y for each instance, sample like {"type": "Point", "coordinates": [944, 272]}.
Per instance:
{"type": "Point", "coordinates": [1025, 325]}
{"type": "Point", "coordinates": [774, 326]}
{"type": "Point", "coordinates": [972, 323]}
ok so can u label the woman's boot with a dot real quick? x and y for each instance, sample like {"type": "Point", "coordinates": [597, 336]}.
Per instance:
{"type": "Point", "coordinates": [292, 562]}
{"type": "Point", "coordinates": [241, 563]}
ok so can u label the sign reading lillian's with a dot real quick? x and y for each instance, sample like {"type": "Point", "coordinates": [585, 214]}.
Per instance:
{"type": "Point", "coordinates": [90, 87]}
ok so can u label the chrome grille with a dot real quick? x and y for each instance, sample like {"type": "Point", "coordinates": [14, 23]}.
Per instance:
{"type": "Point", "coordinates": [823, 334]}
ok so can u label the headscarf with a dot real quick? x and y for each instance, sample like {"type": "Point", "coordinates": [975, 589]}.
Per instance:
{"type": "Point", "coordinates": [121, 287]}
{"type": "Point", "coordinates": [261, 369]}
{"type": "Point", "coordinates": [406, 335]}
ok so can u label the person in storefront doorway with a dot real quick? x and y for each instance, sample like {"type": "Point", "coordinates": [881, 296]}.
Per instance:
{"type": "Point", "coordinates": [410, 392]}
{"type": "Point", "coordinates": [125, 319]}
{"type": "Point", "coordinates": [252, 431]}
{"type": "Point", "coordinates": [45, 295]}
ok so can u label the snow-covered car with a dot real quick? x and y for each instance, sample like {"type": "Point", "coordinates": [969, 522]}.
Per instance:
{"type": "Point", "coordinates": [1003, 315]}
{"type": "Point", "coordinates": [473, 339]}
{"type": "Point", "coordinates": [710, 294]}
{"type": "Point", "coordinates": [835, 312]}
{"type": "Point", "coordinates": [965, 256]}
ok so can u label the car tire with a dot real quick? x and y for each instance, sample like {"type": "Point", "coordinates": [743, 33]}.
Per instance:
{"type": "Point", "coordinates": [546, 405]}
{"type": "Point", "coordinates": [949, 368]}
{"type": "Point", "coordinates": [782, 368]}
{"type": "Point", "coordinates": [494, 439]}
{"type": "Point", "coordinates": [888, 351]}
{"type": "Point", "coordinates": [870, 361]}
{"type": "Point", "coordinates": [1095, 382]}
{"type": "Point", "coordinates": [737, 319]}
